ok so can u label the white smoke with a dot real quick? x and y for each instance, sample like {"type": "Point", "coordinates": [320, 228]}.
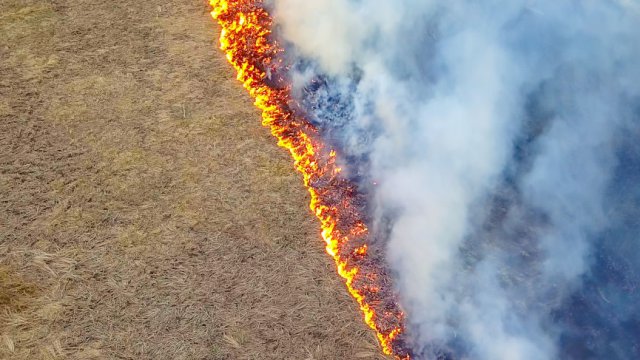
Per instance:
{"type": "Point", "coordinates": [471, 102]}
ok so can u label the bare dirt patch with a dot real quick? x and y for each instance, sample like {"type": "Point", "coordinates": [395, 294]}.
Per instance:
{"type": "Point", "coordinates": [144, 212]}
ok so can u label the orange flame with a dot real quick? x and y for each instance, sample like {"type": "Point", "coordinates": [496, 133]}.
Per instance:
{"type": "Point", "coordinates": [246, 40]}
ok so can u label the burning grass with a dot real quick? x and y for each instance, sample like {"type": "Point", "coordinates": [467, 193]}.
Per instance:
{"type": "Point", "coordinates": [246, 39]}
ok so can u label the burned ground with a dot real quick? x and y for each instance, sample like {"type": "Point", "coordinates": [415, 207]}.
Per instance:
{"type": "Point", "coordinates": [144, 212]}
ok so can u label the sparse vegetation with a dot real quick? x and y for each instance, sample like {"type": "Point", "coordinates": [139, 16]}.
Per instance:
{"type": "Point", "coordinates": [144, 212]}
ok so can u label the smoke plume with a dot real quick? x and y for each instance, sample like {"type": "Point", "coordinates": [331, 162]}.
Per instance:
{"type": "Point", "coordinates": [499, 143]}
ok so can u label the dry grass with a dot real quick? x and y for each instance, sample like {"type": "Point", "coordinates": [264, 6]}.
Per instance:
{"type": "Point", "coordinates": [144, 213]}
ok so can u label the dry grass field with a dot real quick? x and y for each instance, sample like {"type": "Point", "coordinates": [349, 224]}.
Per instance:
{"type": "Point", "coordinates": [144, 212]}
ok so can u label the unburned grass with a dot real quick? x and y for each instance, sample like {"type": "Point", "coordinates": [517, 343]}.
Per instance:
{"type": "Point", "coordinates": [144, 212]}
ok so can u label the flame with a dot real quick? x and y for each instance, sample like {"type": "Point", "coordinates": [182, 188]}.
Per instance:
{"type": "Point", "coordinates": [246, 40]}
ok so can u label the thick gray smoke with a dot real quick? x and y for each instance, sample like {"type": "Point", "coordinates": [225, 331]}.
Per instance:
{"type": "Point", "coordinates": [503, 136]}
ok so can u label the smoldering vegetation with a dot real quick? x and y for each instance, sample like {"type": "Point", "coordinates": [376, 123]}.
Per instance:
{"type": "Point", "coordinates": [497, 145]}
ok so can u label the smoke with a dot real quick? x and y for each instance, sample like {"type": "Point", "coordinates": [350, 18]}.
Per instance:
{"type": "Point", "coordinates": [498, 142]}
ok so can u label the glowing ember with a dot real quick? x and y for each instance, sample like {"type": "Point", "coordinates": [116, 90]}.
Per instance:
{"type": "Point", "coordinates": [245, 38]}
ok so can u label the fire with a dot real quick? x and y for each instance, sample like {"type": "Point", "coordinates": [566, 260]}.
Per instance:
{"type": "Point", "coordinates": [246, 40]}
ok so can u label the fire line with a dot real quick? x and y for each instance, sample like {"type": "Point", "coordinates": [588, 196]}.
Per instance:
{"type": "Point", "coordinates": [247, 41]}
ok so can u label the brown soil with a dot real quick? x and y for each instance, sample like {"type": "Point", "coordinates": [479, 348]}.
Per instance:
{"type": "Point", "coordinates": [144, 212]}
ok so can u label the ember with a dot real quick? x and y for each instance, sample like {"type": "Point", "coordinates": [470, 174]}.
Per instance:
{"type": "Point", "coordinates": [246, 39]}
